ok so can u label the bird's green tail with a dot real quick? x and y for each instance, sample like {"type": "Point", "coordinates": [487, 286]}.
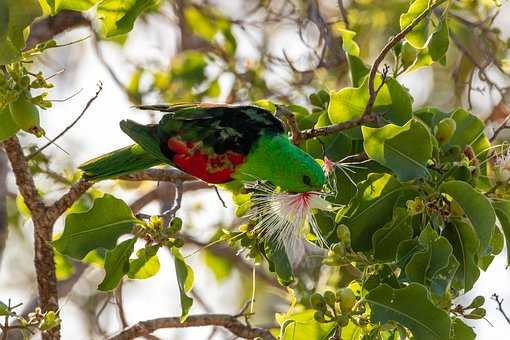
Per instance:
{"type": "Point", "coordinates": [119, 162]}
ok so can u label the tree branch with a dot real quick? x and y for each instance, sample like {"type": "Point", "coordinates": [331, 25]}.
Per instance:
{"type": "Point", "coordinates": [499, 301]}
{"type": "Point", "coordinates": [3, 202]}
{"type": "Point", "coordinates": [43, 232]}
{"type": "Point", "coordinates": [330, 129]}
{"type": "Point", "coordinates": [375, 66]}
{"type": "Point", "coordinates": [48, 27]}
{"type": "Point", "coordinates": [226, 321]}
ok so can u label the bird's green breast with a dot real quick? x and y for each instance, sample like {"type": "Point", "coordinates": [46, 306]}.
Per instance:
{"type": "Point", "coordinates": [275, 159]}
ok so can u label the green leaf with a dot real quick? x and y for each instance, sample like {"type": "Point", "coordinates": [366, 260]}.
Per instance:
{"type": "Point", "coordinates": [385, 241]}
{"type": "Point", "coordinates": [8, 128]}
{"type": "Point", "coordinates": [63, 266]}
{"type": "Point", "coordinates": [376, 274]}
{"type": "Point", "coordinates": [52, 7]}
{"type": "Point", "coordinates": [461, 331]}
{"type": "Point", "coordinates": [465, 245]}
{"type": "Point", "coordinates": [185, 279]}
{"type": "Point", "coordinates": [350, 102]}
{"type": "Point", "coordinates": [118, 16]}
{"type": "Point", "coordinates": [370, 209]}
{"type": "Point", "coordinates": [410, 307]}
{"type": "Point", "coordinates": [395, 147]}
{"type": "Point", "coordinates": [16, 16]}
{"type": "Point", "coordinates": [439, 41]}
{"type": "Point", "coordinates": [502, 209]}
{"type": "Point", "coordinates": [116, 264]}
{"type": "Point", "coordinates": [145, 265]}
{"type": "Point", "coordinates": [477, 208]}
{"type": "Point", "coordinates": [220, 266]}
{"type": "Point", "coordinates": [358, 70]}
{"type": "Point", "coordinates": [419, 34]}
{"type": "Point", "coordinates": [100, 227]}
{"type": "Point", "coordinates": [427, 266]}
{"type": "Point", "coordinates": [302, 326]}
{"type": "Point", "coordinates": [469, 131]}
{"type": "Point", "coordinates": [4, 309]}
{"type": "Point", "coordinates": [279, 262]}
{"type": "Point", "coordinates": [348, 44]}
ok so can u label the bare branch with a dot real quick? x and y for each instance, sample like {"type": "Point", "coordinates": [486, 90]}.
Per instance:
{"type": "Point", "coordinates": [499, 301]}
{"type": "Point", "coordinates": [68, 199]}
{"type": "Point", "coordinates": [91, 100]}
{"type": "Point", "coordinates": [331, 129]}
{"type": "Point", "coordinates": [50, 26]}
{"type": "Point", "coordinates": [343, 12]}
{"type": "Point", "coordinates": [223, 320]}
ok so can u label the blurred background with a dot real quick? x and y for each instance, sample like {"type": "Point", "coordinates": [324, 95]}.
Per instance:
{"type": "Point", "coordinates": [228, 52]}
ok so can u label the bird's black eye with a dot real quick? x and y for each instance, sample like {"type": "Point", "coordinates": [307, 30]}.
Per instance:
{"type": "Point", "coordinates": [307, 180]}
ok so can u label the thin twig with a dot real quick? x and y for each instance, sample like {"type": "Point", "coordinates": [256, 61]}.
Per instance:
{"type": "Point", "coordinates": [499, 301]}
{"type": "Point", "coordinates": [394, 41]}
{"type": "Point", "coordinates": [91, 100]}
{"type": "Point", "coordinates": [343, 12]}
{"type": "Point", "coordinates": [226, 321]}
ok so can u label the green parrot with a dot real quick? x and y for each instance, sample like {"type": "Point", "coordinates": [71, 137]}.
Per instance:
{"type": "Point", "coordinates": [219, 144]}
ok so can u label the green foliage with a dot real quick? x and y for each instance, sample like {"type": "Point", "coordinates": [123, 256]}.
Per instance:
{"type": "Point", "coordinates": [185, 280]}
{"type": "Point", "coordinates": [418, 220]}
{"type": "Point", "coordinates": [393, 146]}
{"type": "Point", "coordinates": [116, 264]}
{"type": "Point", "coordinates": [411, 307]}
{"type": "Point", "coordinates": [145, 265]}
{"type": "Point", "coordinates": [100, 227]}
{"type": "Point", "coordinates": [118, 17]}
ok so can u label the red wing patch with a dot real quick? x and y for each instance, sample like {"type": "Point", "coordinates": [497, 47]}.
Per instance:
{"type": "Point", "coordinates": [213, 168]}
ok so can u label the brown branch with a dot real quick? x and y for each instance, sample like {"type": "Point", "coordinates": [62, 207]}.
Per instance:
{"type": "Point", "coordinates": [394, 41]}
{"type": "Point", "coordinates": [68, 199]}
{"type": "Point", "coordinates": [48, 27]}
{"type": "Point", "coordinates": [343, 12]}
{"type": "Point", "coordinates": [331, 129]}
{"type": "Point", "coordinates": [226, 321]}
{"type": "Point", "coordinates": [3, 202]}
{"type": "Point", "coordinates": [43, 232]}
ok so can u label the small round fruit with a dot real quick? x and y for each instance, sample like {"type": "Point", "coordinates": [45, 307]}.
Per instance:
{"type": "Point", "coordinates": [319, 316]}
{"type": "Point", "coordinates": [344, 234]}
{"type": "Point", "coordinates": [317, 301]}
{"type": "Point", "coordinates": [445, 130]}
{"type": "Point", "coordinates": [26, 115]}
{"type": "Point", "coordinates": [347, 299]}
{"type": "Point", "coordinates": [175, 225]}
{"type": "Point", "coordinates": [330, 298]}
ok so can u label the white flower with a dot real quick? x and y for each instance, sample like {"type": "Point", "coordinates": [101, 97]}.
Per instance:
{"type": "Point", "coordinates": [286, 218]}
{"type": "Point", "coordinates": [501, 166]}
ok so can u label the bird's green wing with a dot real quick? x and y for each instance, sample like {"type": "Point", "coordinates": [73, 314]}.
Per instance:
{"type": "Point", "coordinates": [146, 136]}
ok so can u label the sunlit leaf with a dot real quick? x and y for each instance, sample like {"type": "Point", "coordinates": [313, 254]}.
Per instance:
{"type": "Point", "coordinates": [411, 307]}
{"type": "Point", "coordinates": [118, 16]}
{"type": "Point", "coordinates": [116, 264]}
{"type": "Point", "coordinates": [146, 263]}
{"type": "Point", "coordinates": [185, 279]}
{"type": "Point", "coordinates": [302, 326]}
{"type": "Point", "coordinates": [99, 227]}
{"type": "Point", "coordinates": [395, 147]}
{"type": "Point", "coordinates": [419, 34]}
